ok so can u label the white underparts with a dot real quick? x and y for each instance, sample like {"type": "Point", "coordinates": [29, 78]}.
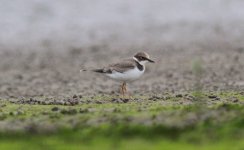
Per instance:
{"type": "Point", "coordinates": [129, 75]}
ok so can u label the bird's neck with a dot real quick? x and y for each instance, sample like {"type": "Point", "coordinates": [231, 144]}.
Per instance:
{"type": "Point", "coordinates": [140, 62]}
{"type": "Point", "coordinates": [140, 65]}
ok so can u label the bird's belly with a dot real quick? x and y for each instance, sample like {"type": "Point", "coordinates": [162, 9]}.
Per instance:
{"type": "Point", "coordinates": [126, 76]}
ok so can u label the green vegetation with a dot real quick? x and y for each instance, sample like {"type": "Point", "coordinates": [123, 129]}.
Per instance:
{"type": "Point", "coordinates": [158, 122]}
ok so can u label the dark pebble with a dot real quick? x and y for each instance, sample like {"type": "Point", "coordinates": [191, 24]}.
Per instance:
{"type": "Point", "coordinates": [117, 100]}
{"type": "Point", "coordinates": [69, 111]}
{"type": "Point", "coordinates": [136, 99]}
{"type": "Point", "coordinates": [55, 109]}
{"type": "Point", "coordinates": [217, 99]}
{"type": "Point", "coordinates": [152, 99]}
{"type": "Point", "coordinates": [156, 97]}
{"type": "Point", "coordinates": [167, 97]}
{"type": "Point", "coordinates": [88, 101]}
{"type": "Point", "coordinates": [44, 103]}
{"type": "Point", "coordinates": [126, 100]}
{"type": "Point", "coordinates": [74, 102]}
{"type": "Point", "coordinates": [98, 102]}
{"type": "Point", "coordinates": [212, 96]}
{"type": "Point", "coordinates": [178, 95]}
{"type": "Point", "coordinates": [235, 100]}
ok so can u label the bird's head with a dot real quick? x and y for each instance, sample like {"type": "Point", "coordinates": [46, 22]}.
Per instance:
{"type": "Point", "coordinates": [143, 58]}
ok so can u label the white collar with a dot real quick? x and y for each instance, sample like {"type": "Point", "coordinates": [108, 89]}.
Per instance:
{"type": "Point", "coordinates": [136, 59]}
{"type": "Point", "coordinates": [141, 63]}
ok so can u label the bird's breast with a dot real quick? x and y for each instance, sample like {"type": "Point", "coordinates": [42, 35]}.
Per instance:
{"type": "Point", "coordinates": [129, 75]}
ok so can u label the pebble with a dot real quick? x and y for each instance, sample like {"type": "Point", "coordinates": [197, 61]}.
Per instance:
{"type": "Point", "coordinates": [235, 100]}
{"type": "Point", "coordinates": [117, 100]}
{"type": "Point", "coordinates": [126, 100]}
{"type": "Point", "coordinates": [55, 109]}
{"type": "Point", "coordinates": [212, 96]}
{"type": "Point", "coordinates": [178, 95]}
{"type": "Point", "coordinates": [69, 111]}
{"type": "Point", "coordinates": [98, 102]}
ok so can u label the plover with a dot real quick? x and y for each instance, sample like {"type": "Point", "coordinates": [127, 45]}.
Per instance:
{"type": "Point", "coordinates": [126, 70]}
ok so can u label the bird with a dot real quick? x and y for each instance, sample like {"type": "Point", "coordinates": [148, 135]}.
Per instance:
{"type": "Point", "coordinates": [126, 70]}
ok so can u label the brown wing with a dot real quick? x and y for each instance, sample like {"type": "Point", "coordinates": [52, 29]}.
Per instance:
{"type": "Point", "coordinates": [122, 66]}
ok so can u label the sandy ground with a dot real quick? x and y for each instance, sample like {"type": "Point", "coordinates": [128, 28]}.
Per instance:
{"type": "Point", "coordinates": [52, 73]}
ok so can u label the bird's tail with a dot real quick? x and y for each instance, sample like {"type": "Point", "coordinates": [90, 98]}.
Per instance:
{"type": "Point", "coordinates": [98, 70]}
{"type": "Point", "coordinates": [83, 70]}
{"type": "Point", "coordinates": [93, 70]}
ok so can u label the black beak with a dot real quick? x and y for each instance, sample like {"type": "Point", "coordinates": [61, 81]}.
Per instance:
{"type": "Point", "coordinates": [151, 61]}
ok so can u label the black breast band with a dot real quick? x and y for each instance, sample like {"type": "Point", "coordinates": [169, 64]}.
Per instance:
{"type": "Point", "coordinates": [139, 66]}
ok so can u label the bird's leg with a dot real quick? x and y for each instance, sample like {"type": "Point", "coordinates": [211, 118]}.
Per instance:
{"type": "Point", "coordinates": [122, 90]}
{"type": "Point", "coordinates": [129, 94]}
{"type": "Point", "coordinates": [125, 87]}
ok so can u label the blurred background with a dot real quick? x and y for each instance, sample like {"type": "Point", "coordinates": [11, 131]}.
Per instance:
{"type": "Point", "coordinates": [60, 25]}
{"type": "Point", "coordinates": [45, 43]}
